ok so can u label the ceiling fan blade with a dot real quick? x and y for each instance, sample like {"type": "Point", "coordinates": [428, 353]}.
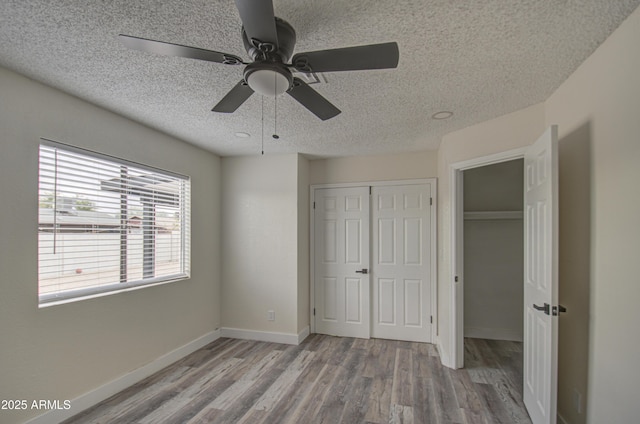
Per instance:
{"type": "Point", "coordinates": [234, 98]}
{"type": "Point", "coordinates": [373, 56]}
{"type": "Point", "coordinates": [170, 49]}
{"type": "Point", "coordinates": [258, 20]}
{"type": "Point", "coordinates": [312, 100]}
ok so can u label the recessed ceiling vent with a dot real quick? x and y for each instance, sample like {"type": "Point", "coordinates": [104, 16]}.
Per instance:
{"type": "Point", "coordinates": [312, 77]}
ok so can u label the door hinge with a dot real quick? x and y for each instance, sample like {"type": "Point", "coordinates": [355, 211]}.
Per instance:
{"type": "Point", "coordinates": [431, 319]}
{"type": "Point", "coordinates": [314, 312]}
{"type": "Point", "coordinates": [369, 190]}
{"type": "Point", "coordinates": [455, 279]}
{"type": "Point", "coordinates": [314, 205]}
{"type": "Point", "coordinates": [430, 201]}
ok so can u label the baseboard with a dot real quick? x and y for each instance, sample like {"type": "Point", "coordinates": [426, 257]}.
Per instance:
{"type": "Point", "coordinates": [265, 336]}
{"type": "Point", "coordinates": [109, 389]}
{"type": "Point", "coordinates": [493, 333]}
{"type": "Point", "coordinates": [303, 334]}
{"type": "Point", "coordinates": [444, 358]}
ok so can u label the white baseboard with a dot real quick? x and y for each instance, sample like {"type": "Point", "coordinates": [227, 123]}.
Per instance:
{"type": "Point", "coordinates": [444, 358]}
{"type": "Point", "coordinates": [493, 333]}
{"type": "Point", "coordinates": [109, 389]}
{"type": "Point", "coordinates": [265, 336]}
{"type": "Point", "coordinates": [303, 334]}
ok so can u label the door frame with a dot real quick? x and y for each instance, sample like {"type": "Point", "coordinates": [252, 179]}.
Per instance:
{"type": "Point", "coordinates": [457, 244]}
{"type": "Point", "coordinates": [433, 229]}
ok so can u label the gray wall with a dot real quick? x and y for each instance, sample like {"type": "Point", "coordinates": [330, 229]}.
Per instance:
{"type": "Point", "coordinates": [260, 236]}
{"type": "Point", "coordinates": [61, 352]}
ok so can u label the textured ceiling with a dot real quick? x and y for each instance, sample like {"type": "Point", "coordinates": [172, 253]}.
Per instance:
{"type": "Point", "coordinates": [479, 59]}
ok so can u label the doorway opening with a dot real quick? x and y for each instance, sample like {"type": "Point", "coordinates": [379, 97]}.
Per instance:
{"type": "Point", "coordinates": [458, 237]}
{"type": "Point", "coordinates": [493, 267]}
{"type": "Point", "coordinates": [493, 251]}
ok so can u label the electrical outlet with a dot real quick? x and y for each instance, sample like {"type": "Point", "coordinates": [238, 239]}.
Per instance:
{"type": "Point", "coordinates": [271, 315]}
{"type": "Point", "coordinates": [577, 401]}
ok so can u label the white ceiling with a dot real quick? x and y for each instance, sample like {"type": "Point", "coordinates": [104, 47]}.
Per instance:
{"type": "Point", "coordinates": [479, 59]}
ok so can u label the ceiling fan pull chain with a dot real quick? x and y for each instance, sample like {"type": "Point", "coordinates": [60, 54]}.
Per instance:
{"type": "Point", "coordinates": [275, 112]}
{"type": "Point", "coordinates": [275, 119]}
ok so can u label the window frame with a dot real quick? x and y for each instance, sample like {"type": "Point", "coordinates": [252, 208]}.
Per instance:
{"type": "Point", "coordinates": [73, 295]}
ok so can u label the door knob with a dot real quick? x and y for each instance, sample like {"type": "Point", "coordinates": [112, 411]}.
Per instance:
{"type": "Point", "coordinates": [544, 308]}
{"type": "Point", "coordinates": [557, 310]}
{"type": "Point", "coordinates": [363, 271]}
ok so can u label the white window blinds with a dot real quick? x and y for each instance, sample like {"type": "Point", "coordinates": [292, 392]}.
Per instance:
{"type": "Point", "coordinates": [106, 224]}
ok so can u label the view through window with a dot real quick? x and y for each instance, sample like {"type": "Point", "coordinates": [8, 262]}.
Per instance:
{"type": "Point", "coordinates": [106, 224]}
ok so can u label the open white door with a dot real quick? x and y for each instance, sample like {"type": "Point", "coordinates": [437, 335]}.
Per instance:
{"type": "Point", "coordinates": [342, 262]}
{"type": "Point", "coordinates": [541, 278]}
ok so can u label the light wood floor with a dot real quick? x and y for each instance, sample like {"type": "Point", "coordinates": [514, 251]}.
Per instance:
{"type": "Point", "coordinates": [325, 380]}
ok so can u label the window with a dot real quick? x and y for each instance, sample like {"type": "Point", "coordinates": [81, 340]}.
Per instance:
{"type": "Point", "coordinates": [106, 224]}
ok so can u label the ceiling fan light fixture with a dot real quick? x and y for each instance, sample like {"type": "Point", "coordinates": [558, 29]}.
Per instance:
{"type": "Point", "coordinates": [268, 79]}
{"type": "Point", "coordinates": [268, 82]}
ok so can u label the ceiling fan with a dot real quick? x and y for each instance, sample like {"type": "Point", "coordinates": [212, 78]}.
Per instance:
{"type": "Point", "coordinates": [270, 41]}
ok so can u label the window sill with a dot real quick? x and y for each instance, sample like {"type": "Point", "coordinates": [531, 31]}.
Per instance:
{"type": "Point", "coordinates": [71, 296]}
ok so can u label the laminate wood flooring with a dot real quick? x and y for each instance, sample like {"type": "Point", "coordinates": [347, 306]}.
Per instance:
{"type": "Point", "coordinates": [325, 380]}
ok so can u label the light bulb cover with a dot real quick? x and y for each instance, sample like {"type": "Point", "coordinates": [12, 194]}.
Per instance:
{"type": "Point", "coordinates": [268, 79]}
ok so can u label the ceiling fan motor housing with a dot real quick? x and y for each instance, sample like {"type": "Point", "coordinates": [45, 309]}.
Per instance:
{"type": "Point", "coordinates": [260, 50]}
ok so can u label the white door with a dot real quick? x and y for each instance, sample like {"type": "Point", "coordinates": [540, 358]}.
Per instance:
{"type": "Point", "coordinates": [341, 236]}
{"type": "Point", "coordinates": [541, 278]}
{"type": "Point", "coordinates": [401, 221]}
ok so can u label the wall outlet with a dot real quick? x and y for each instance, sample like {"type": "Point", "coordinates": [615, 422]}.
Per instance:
{"type": "Point", "coordinates": [577, 401]}
{"type": "Point", "coordinates": [271, 315]}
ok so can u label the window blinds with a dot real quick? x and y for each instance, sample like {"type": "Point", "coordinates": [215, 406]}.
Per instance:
{"type": "Point", "coordinates": [107, 224]}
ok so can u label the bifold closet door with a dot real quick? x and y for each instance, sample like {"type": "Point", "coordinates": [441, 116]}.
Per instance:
{"type": "Point", "coordinates": [341, 263]}
{"type": "Point", "coordinates": [401, 243]}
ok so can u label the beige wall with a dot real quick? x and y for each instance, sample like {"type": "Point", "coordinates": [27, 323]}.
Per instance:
{"type": "Point", "coordinates": [64, 351]}
{"type": "Point", "coordinates": [373, 168]}
{"type": "Point", "coordinates": [303, 244]}
{"type": "Point", "coordinates": [260, 239]}
{"type": "Point", "coordinates": [597, 110]}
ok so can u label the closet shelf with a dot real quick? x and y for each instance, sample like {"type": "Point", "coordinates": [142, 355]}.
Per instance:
{"type": "Point", "coordinates": [492, 215]}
